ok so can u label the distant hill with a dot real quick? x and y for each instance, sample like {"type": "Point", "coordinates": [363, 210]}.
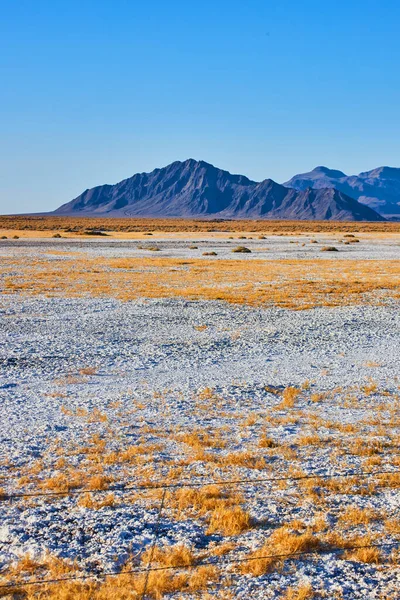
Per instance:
{"type": "Point", "coordinates": [197, 189]}
{"type": "Point", "coordinates": [379, 189]}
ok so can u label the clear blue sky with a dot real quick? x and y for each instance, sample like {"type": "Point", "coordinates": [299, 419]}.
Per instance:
{"type": "Point", "coordinates": [94, 91]}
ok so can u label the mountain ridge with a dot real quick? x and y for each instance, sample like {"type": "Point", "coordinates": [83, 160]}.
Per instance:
{"type": "Point", "coordinates": [379, 188]}
{"type": "Point", "coordinates": [198, 189]}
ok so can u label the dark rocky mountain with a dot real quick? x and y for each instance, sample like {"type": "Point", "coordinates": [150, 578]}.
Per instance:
{"type": "Point", "coordinates": [198, 189]}
{"type": "Point", "coordinates": [379, 189]}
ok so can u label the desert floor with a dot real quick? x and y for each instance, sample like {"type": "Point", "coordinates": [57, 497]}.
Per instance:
{"type": "Point", "coordinates": [230, 420]}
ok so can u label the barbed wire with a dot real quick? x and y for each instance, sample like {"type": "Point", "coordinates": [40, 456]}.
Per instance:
{"type": "Point", "coordinates": [165, 486]}
{"type": "Point", "coordinates": [195, 565]}
{"type": "Point", "coordinates": [222, 482]}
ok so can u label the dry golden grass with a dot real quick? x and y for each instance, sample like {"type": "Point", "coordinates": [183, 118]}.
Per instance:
{"type": "Point", "coordinates": [281, 543]}
{"type": "Point", "coordinates": [289, 396]}
{"type": "Point", "coordinates": [169, 556]}
{"type": "Point", "coordinates": [267, 442]}
{"type": "Point", "coordinates": [122, 587]}
{"type": "Point", "coordinates": [64, 482]}
{"type": "Point", "coordinates": [392, 526]}
{"type": "Point", "coordinates": [200, 501]}
{"type": "Point", "coordinates": [223, 510]}
{"type": "Point", "coordinates": [303, 592]}
{"type": "Point", "coordinates": [199, 439]}
{"type": "Point", "coordinates": [295, 284]}
{"type": "Point", "coordinates": [365, 555]}
{"type": "Point", "coordinates": [353, 515]}
{"type": "Point", "coordinates": [229, 520]}
{"type": "Point", "coordinates": [82, 224]}
{"type": "Point", "coordinates": [245, 458]}
{"type": "Point", "coordinates": [88, 501]}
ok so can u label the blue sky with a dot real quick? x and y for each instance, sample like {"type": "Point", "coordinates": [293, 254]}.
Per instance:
{"type": "Point", "coordinates": [94, 91]}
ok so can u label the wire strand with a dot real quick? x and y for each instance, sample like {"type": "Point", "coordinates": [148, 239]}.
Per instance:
{"type": "Point", "coordinates": [195, 565]}
{"type": "Point", "coordinates": [160, 486]}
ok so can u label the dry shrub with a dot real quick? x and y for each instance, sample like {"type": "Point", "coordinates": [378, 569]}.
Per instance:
{"type": "Point", "coordinates": [98, 482]}
{"type": "Point", "coordinates": [317, 397]}
{"type": "Point", "coordinates": [199, 439]}
{"type": "Point", "coordinates": [169, 556]}
{"type": "Point", "coordinates": [391, 480]}
{"type": "Point", "coordinates": [365, 555]}
{"type": "Point", "coordinates": [281, 543]}
{"type": "Point", "coordinates": [198, 501]}
{"type": "Point", "coordinates": [201, 577]}
{"type": "Point", "coordinates": [26, 565]}
{"type": "Point", "coordinates": [161, 582]}
{"type": "Point", "coordinates": [259, 562]}
{"type": "Point", "coordinates": [88, 371]}
{"type": "Point", "coordinates": [96, 416]}
{"type": "Point", "coordinates": [251, 420]}
{"type": "Point", "coordinates": [222, 549]}
{"type": "Point", "coordinates": [392, 526]}
{"type": "Point", "coordinates": [308, 440]}
{"type": "Point", "coordinates": [369, 388]}
{"type": "Point", "coordinates": [128, 587]}
{"type": "Point", "coordinates": [246, 458]}
{"type": "Point", "coordinates": [63, 482]}
{"type": "Point", "coordinates": [130, 455]}
{"type": "Point", "coordinates": [353, 515]}
{"type": "Point", "coordinates": [303, 592]}
{"type": "Point", "coordinates": [289, 396]}
{"type": "Point", "coordinates": [267, 442]}
{"type": "Point", "coordinates": [88, 501]}
{"type": "Point", "coordinates": [206, 393]}
{"type": "Point", "coordinates": [241, 249]}
{"type": "Point", "coordinates": [288, 542]}
{"type": "Point", "coordinates": [364, 447]}
{"type": "Point", "coordinates": [49, 567]}
{"type": "Point", "coordinates": [229, 520]}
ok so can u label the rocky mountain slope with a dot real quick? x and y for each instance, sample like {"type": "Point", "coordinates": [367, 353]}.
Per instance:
{"type": "Point", "coordinates": [198, 189]}
{"type": "Point", "coordinates": [379, 189]}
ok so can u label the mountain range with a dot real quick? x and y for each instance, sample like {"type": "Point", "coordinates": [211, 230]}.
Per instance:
{"type": "Point", "coordinates": [379, 189]}
{"type": "Point", "coordinates": [198, 189]}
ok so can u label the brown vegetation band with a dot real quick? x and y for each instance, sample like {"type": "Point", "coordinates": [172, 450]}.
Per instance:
{"type": "Point", "coordinates": [83, 224]}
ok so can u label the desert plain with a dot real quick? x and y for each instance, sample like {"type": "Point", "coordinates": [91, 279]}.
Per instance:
{"type": "Point", "coordinates": [199, 409]}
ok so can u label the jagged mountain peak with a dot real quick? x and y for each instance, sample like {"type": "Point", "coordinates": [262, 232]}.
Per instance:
{"type": "Point", "coordinates": [198, 189]}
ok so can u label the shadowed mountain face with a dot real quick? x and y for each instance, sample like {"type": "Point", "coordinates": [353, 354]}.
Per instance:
{"type": "Point", "coordinates": [198, 189]}
{"type": "Point", "coordinates": [379, 189]}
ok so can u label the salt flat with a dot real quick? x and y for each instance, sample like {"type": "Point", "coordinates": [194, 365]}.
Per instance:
{"type": "Point", "coordinates": [100, 393]}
